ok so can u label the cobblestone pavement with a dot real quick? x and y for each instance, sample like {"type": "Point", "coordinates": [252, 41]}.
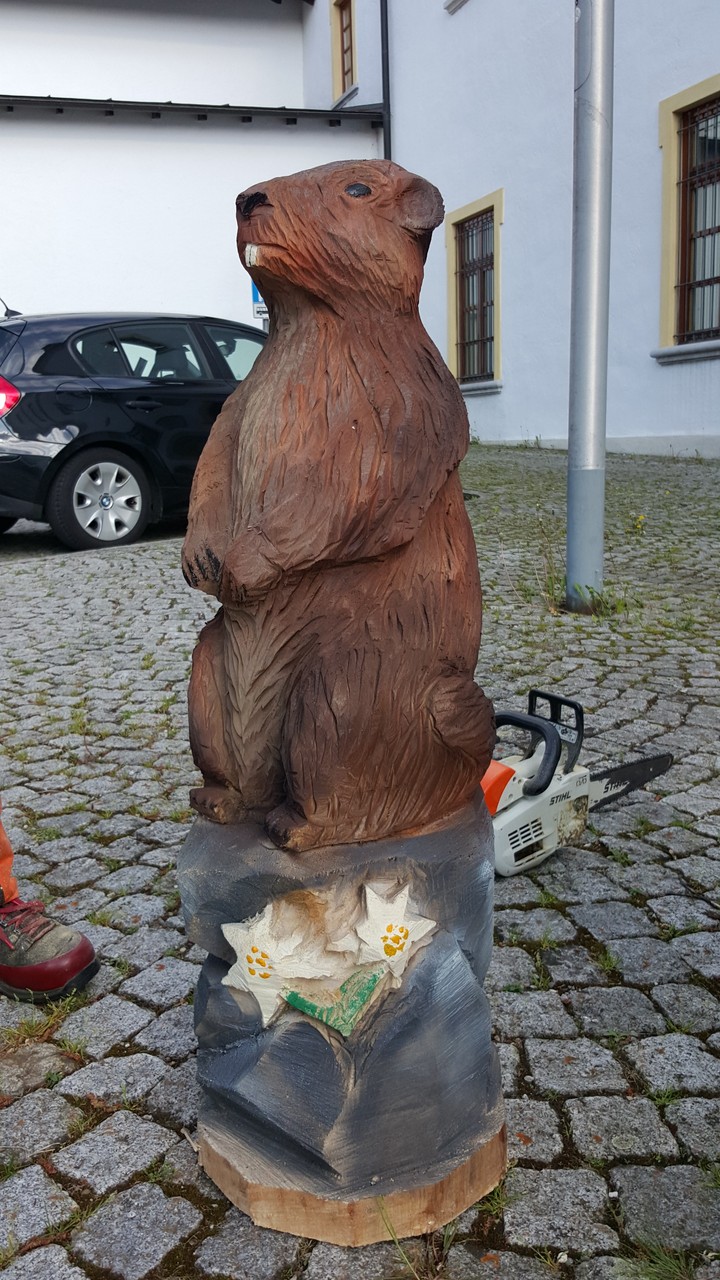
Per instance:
{"type": "Point", "coordinates": [604, 982]}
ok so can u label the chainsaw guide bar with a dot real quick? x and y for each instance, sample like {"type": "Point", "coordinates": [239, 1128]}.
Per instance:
{"type": "Point", "coordinates": [611, 784]}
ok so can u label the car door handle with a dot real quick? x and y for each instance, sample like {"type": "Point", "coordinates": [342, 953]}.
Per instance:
{"type": "Point", "coordinates": [145, 402]}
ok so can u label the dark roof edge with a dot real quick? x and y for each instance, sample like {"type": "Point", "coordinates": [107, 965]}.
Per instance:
{"type": "Point", "coordinates": [9, 101]}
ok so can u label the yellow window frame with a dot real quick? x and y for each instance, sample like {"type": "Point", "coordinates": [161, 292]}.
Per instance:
{"type": "Point", "coordinates": [495, 201]}
{"type": "Point", "coordinates": [671, 111]}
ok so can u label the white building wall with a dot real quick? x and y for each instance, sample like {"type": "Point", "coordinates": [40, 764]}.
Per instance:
{"type": "Point", "coordinates": [483, 99]}
{"type": "Point", "coordinates": [317, 31]}
{"type": "Point", "coordinates": [134, 214]}
{"type": "Point", "coordinates": [678, 405]}
{"type": "Point", "coordinates": [317, 54]}
{"type": "Point", "coordinates": [130, 212]}
{"type": "Point", "coordinates": [206, 51]}
{"type": "Point", "coordinates": [367, 44]}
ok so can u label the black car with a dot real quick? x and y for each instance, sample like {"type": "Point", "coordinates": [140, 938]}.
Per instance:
{"type": "Point", "coordinates": [103, 417]}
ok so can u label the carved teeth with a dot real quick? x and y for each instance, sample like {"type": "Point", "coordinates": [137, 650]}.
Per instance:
{"type": "Point", "coordinates": [251, 255]}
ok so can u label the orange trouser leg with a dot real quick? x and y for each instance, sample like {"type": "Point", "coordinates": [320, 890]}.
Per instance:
{"type": "Point", "coordinates": [8, 883]}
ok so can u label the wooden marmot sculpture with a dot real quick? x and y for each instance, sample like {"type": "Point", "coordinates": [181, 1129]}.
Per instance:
{"type": "Point", "coordinates": [333, 693]}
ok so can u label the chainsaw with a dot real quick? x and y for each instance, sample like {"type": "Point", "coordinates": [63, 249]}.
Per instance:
{"type": "Point", "coordinates": [541, 800]}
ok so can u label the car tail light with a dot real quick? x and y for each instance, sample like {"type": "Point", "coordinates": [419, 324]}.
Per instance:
{"type": "Point", "coordinates": [9, 396]}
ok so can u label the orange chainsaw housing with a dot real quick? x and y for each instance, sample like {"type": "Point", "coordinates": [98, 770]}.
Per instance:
{"type": "Point", "coordinates": [494, 781]}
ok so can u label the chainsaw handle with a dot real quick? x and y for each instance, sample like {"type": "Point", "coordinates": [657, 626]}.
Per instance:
{"type": "Point", "coordinates": [543, 728]}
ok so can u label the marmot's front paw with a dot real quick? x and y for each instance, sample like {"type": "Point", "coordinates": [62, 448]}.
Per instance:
{"type": "Point", "coordinates": [217, 803]}
{"type": "Point", "coordinates": [201, 568]}
{"type": "Point", "coordinates": [288, 829]}
{"type": "Point", "coordinates": [247, 574]}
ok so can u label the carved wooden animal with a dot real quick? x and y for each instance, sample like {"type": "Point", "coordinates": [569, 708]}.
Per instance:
{"type": "Point", "coordinates": [333, 693]}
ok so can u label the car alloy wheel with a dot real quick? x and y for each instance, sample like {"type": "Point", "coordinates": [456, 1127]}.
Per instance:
{"type": "Point", "coordinates": [100, 498]}
{"type": "Point", "coordinates": [107, 501]}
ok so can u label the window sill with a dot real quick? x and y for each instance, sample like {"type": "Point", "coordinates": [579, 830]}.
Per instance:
{"type": "Point", "coordinates": [480, 388]}
{"type": "Point", "coordinates": [687, 351]}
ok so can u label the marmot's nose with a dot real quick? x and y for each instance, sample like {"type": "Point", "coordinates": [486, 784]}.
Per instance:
{"type": "Point", "coordinates": [247, 202]}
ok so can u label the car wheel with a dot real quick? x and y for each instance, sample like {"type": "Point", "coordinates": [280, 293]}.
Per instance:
{"type": "Point", "coordinates": [100, 499]}
{"type": "Point", "coordinates": [7, 522]}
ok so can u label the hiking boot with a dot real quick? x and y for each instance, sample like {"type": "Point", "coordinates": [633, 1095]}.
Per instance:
{"type": "Point", "coordinates": [41, 960]}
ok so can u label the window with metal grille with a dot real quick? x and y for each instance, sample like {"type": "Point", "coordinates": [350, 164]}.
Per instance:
{"type": "Point", "coordinates": [698, 288]}
{"type": "Point", "coordinates": [345, 34]}
{"type": "Point", "coordinates": [475, 258]}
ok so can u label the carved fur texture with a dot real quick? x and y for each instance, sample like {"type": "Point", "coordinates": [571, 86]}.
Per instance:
{"type": "Point", "coordinates": [334, 692]}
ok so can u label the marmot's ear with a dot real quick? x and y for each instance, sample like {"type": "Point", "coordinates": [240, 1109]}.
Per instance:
{"type": "Point", "coordinates": [421, 206]}
{"type": "Point", "coordinates": [421, 210]}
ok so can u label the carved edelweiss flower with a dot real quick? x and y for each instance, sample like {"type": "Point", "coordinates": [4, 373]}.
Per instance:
{"type": "Point", "coordinates": [283, 945]}
{"type": "Point", "coordinates": [259, 966]}
{"type": "Point", "coordinates": [390, 930]}
{"type": "Point", "coordinates": [304, 943]}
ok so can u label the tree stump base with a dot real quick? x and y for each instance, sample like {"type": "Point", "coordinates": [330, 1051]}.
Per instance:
{"type": "Point", "coordinates": [234, 1167]}
{"type": "Point", "coordinates": [377, 1110]}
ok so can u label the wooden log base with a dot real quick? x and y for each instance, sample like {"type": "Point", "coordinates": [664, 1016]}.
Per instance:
{"type": "Point", "coordinates": [349, 1222]}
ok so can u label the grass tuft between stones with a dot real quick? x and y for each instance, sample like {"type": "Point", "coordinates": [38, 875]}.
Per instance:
{"type": "Point", "coordinates": [655, 1262]}
{"type": "Point", "coordinates": [41, 1022]}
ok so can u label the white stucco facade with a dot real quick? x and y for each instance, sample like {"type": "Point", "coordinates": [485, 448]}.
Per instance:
{"type": "Point", "coordinates": [495, 112]}
{"type": "Point", "coordinates": [137, 212]}
{"type": "Point", "coordinates": [318, 78]}
{"type": "Point", "coordinates": [154, 50]}
{"type": "Point", "coordinates": [131, 214]}
{"type": "Point", "coordinates": [126, 211]}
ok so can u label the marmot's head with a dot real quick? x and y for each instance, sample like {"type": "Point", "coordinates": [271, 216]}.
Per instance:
{"type": "Point", "coordinates": [352, 234]}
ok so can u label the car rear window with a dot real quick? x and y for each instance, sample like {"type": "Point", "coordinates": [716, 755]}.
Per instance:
{"type": "Point", "coordinates": [56, 361]}
{"type": "Point", "coordinates": [100, 354]}
{"type": "Point", "coordinates": [238, 351]}
{"type": "Point", "coordinates": [165, 350]}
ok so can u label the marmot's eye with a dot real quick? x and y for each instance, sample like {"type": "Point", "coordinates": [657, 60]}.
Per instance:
{"type": "Point", "coordinates": [358, 189]}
